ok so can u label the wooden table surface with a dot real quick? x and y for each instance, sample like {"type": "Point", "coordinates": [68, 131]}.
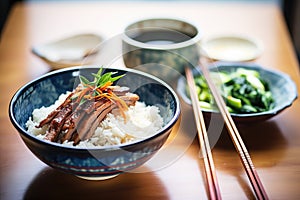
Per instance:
{"type": "Point", "coordinates": [274, 145]}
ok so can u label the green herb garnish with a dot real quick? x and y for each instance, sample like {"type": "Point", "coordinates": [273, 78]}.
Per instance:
{"type": "Point", "coordinates": [100, 87]}
{"type": "Point", "coordinates": [100, 80]}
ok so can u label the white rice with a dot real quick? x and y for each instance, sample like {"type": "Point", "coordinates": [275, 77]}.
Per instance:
{"type": "Point", "coordinates": [141, 122]}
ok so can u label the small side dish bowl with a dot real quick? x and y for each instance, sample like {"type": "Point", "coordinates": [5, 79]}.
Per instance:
{"type": "Point", "coordinates": [69, 51]}
{"type": "Point", "coordinates": [94, 163]}
{"type": "Point", "coordinates": [231, 48]}
{"type": "Point", "coordinates": [168, 42]}
{"type": "Point", "coordinates": [282, 87]}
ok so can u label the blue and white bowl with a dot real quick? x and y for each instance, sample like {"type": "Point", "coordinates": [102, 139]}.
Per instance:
{"type": "Point", "coordinates": [283, 89]}
{"type": "Point", "coordinates": [101, 162]}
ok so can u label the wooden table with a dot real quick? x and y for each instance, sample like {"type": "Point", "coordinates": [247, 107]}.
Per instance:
{"type": "Point", "coordinates": [274, 145]}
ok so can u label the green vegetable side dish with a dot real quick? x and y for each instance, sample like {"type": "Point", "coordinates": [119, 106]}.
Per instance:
{"type": "Point", "coordinates": [243, 90]}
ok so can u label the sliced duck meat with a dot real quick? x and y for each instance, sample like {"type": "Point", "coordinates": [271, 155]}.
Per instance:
{"type": "Point", "coordinates": [130, 101]}
{"type": "Point", "coordinates": [91, 122]}
{"type": "Point", "coordinates": [120, 91]}
{"type": "Point", "coordinates": [83, 110]}
{"type": "Point", "coordinates": [90, 119]}
{"type": "Point", "coordinates": [57, 123]}
{"type": "Point", "coordinates": [52, 115]}
{"type": "Point", "coordinates": [76, 119]}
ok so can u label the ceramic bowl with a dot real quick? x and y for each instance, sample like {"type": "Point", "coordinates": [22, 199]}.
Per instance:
{"type": "Point", "coordinates": [162, 41]}
{"type": "Point", "coordinates": [231, 48]}
{"type": "Point", "coordinates": [101, 162]}
{"type": "Point", "coordinates": [70, 51]}
{"type": "Point", "coordinates": [283, 89]}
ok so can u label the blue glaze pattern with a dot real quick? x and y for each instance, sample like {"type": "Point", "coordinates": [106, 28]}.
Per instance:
{"type": "Point", "coordinates": [283, 89]}
{"type": "Point", "coordinates": [93, 162]}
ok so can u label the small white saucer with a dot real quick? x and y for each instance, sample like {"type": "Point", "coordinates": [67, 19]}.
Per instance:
{"type": "Point", "coordinates": [69, 51]}
{"type": "Point", "coordinates": [233, 48]}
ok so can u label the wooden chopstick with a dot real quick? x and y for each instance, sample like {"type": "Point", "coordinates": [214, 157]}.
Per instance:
{"type": "Point", "coordinates": [235, 136]}
{"type": "Point", "coordinates": [211, 177]}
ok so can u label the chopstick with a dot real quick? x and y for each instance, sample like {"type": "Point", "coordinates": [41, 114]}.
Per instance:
{"type": "Point", "coordinates": [235, 136]}
{"type": "Point", "coordinates": [211, 177]}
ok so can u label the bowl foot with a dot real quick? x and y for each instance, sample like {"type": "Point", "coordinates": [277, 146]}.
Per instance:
{"type": "Point", "coordinates": [100, 178]}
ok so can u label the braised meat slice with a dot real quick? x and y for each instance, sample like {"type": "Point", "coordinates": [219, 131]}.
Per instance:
{"type": "Point", "coordinates": [81, 113]}
{"type": "Point", "coordinates": [54, 113]}
{"type": "Point", "coordinates": [57, 123]}
{"type": "Point", "coordinates": [91, 122]}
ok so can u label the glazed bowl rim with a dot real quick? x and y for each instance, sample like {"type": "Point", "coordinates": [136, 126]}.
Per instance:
{"type": "Point", "coordinates": [187, 43]}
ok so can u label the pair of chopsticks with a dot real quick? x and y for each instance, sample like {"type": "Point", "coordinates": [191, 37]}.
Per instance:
{"type": "Point", "coordinates": [234, 134]}
{"type": "Point", "coordinates": [209, 166]}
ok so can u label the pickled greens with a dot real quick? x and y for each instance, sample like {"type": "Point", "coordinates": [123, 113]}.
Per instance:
{"type": "Point", "coordinates": [243, 90]}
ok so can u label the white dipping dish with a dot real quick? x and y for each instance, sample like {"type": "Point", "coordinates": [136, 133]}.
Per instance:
{"type": "Point", "coordinates": [69, 51]}
{"type": "Point", "coordinates": [233, 48]}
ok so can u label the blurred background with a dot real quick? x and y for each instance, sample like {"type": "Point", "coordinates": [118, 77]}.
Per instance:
{"type": "Point", "coordinates": [290, 10]}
